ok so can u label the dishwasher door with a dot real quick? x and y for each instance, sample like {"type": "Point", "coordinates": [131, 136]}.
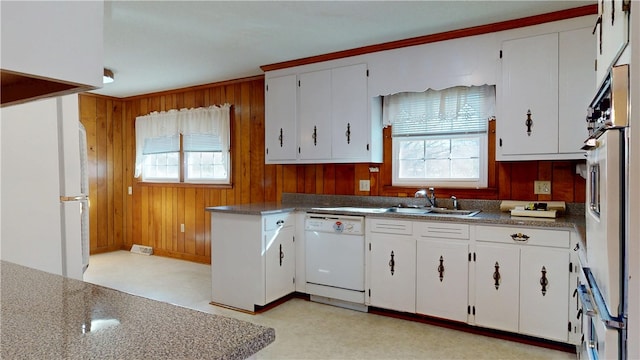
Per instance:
{"type": "Point", "coordinates": [334, 254]}
{"type": "Point", "coordinates": [335, 260]}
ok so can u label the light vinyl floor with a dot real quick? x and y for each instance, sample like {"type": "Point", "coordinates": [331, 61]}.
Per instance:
{"type": "Point", "coordinates": [304, 329]}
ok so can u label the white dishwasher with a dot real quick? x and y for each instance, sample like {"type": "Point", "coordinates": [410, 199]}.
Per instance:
{"type": "Point", "coordinates": [334, 255]}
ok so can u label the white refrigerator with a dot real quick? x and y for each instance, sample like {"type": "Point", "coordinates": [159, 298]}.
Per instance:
{"type": "Point", "coordinates": [44, 217]}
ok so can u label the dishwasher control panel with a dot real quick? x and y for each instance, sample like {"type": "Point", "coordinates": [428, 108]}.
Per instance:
{"type": "Point", "coordinates": [352, 225]}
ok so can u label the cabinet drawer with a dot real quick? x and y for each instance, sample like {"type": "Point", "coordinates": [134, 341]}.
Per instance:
{"type": "Point", "coordinates": [524, 236]}
{"type": "Point", "coordinates": [272, 222]}
{"type": "Point", "coordinates": [391, 226]}
{"type": "Point", "coordinates": [442, 230]}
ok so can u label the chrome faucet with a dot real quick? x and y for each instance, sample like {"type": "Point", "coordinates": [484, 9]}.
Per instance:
{"type": "Point", "coordinates": [455, 202]}
{"type": "Point", "coordinates": [431, 197]}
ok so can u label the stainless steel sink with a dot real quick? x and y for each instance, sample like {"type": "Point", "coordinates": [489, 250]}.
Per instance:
{"type": "Point", "coordinates": [408, 210]}
{"type": "Point", "coordinates": [456, 212]}
{"type": "Point", "coordinates": [433, 211]}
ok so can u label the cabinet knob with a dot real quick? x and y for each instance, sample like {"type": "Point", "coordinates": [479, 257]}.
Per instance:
{"type": "Point", "coordinates": [441, 269]}
{"type": "Point", "coordinates": [544, 282]}
{"type": "Point", "coordinates": [529, 122]}
{"type": "Point", "coordinates": [496, 276]}
{"type": "Point", "coordinates": [392, 263]}
{"type": "Point", "coordinates": [348, 133]}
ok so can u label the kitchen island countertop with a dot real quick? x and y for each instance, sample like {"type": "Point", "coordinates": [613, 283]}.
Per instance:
{"type": "Point", "coordinates": [46, 316]}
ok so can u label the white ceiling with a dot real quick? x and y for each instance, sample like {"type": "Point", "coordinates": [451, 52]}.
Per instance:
{"type": "Point", "coordinates": [161, 45]}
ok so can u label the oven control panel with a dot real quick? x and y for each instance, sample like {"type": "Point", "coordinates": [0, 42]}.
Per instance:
{"type": "Point", "coordinates": [331, 224]}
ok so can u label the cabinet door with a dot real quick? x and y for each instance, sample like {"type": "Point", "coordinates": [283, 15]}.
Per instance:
{"type": "Point", "coordinates": [529, 83]}
{"type": "Point", "coordinates": [442, 278]}
{"type": "Point", "coordinates": [544, 284]}
{"type": "Point", "coordinates": [349, 112]}
{"type": "Point", "coordinates": [393, 272]}
{"type": "Point", "coordinates": [280, 119]}
{"type": "Point", "coordinates": [575, 88]}
{"type": "Point", "coordinates": [280, 266]}
{"type": "Point", "coordinates": [314, 96]}
{"type": "Point", "coordinates": [497, 286]}
{"type": "Point", "coordinates": [611, 35]}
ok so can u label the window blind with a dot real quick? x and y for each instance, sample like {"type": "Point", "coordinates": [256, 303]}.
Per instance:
{"type": "Point", "coordinates": [161, 145]}
{"type": "Point", "coordinates": [202, 143]}
{"type": "Point", "coordinates": [457, 110]}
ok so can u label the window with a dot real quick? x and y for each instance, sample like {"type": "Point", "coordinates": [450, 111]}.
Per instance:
{"type": "Point", "coordinates": [190, 146]}
{"type": "Point", "coordinates": [439, 138]}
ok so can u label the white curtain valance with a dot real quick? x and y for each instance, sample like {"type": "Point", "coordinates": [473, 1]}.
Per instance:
{"type": "Point", "coordinates": [212, 121]}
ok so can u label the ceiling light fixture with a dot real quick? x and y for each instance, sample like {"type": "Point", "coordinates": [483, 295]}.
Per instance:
{"type": "Point", "coordinates": [107, 76]}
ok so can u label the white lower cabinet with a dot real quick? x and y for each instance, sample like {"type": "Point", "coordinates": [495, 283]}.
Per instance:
{"type": "Point", "coordinates": [392, 264]}
{"type": "Point", "coordinates": [442, 276]}
{"type": "Point", "coordinates": [280, 264]}
{"type": "Point", "coordinates": [252, 258]}
{"type": "Point", "coordinates": [544, 280]}
{"type": "Point", "coordinates": [522, 281]}
{"type": "Point", "coordinates": [497, 286]}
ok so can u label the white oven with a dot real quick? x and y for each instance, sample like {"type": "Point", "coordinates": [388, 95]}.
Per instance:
{"type": "Point", "coordinates": [334, 257]}
{"type": "Point", "coordinates": [603, 288]}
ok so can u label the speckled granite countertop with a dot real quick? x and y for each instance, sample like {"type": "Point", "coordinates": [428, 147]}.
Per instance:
{"type": "Point", "coordinates": [46, 316]}
{"type": "Point", "coordinates": [573, 219]}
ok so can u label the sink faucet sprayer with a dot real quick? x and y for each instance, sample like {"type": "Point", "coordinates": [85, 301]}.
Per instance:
{"type": "Point", "coordinates": [455, 202]}
{"type": "Point", "coordinates": [431, 197]}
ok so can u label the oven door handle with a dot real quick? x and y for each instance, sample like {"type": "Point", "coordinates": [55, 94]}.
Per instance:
{"type": "Point", "coordinates": [597, 303]}
{"type": "Point", "coordinates": [585, 300]}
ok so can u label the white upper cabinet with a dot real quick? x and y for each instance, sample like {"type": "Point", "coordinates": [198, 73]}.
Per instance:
{"type": "Point", "coordinates": [612, 34]}
{"type": "Point", "coordinates": [335, 120]}
{"type": "Point", "coordinates": [280, 111]}
{"type": "Point", "coordinates": [350, 120]}
{"type": "Point", "coordinates": [528, 118]}
{"type": "Point", "coordinates": [50, 48]}
{"type": "Point", "coordinates": [543, 95]}
{"type": "Point", "coordinates": [314, 115]}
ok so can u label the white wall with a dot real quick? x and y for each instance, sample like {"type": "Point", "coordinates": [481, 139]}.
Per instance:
{"type": "Point", "coordinates": [30, 188]}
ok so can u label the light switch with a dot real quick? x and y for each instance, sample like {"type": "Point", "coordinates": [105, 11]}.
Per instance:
{"type": "Point", "coordinates": [365, 185]}
{"type": "Point", "coordinates": [542, 187]}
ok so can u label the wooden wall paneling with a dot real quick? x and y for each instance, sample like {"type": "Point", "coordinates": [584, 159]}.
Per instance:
{"type": "Point", "coordinates": [279, 182]}
{"type": "Point", "coordinates": [200, 221]}
{"type": "Point", "coordinates": [117, 162]}
{"type": "Point", "coordinates": [175, 221]}
{"type": "Point", "coordinates": [300, 174]}
{"type": "Point", "coordinates": [190, 221]}
{"type": "Point", "coordinates": [562, 188]}
{"type": "Point", "coordinates": [504, 180]}
{"type": "Point", "coordinates": [227, 95]}
{"type": "Point", "coordinates": [545, 173]}
{"type": "Point", "coordinates": [101, 176]}
{"type": "Point", "coordinates": [523, 175]}
{"type": "Point", "coordinates": [271, 183]}
{"type": "Point", "coordinates": [141, 233]}
{"type": "Point", "coordinates": [180, 196]}
{"type": "Point", "coordinates": [155, 216]}
{"type": "Point", "coordinates": [245, 150]}
{"type": "Point", "coordinates": [329, 179]}
{"type": "Point", "coordinates": [309, 179]}
{"type": "Point", "coordinates": [256, 145]}
{"type": "Point", "coordinates": [579, 185]}
{"type": "Point", "coordinates": [345, 175]}
{"type": "Point", "coordinates": [319, 179]}
{"type": "Point", "coordinates": [289, 178]}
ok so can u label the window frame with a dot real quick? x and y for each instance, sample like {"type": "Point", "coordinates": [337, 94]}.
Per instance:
{"type": "Point", "coordinates": [483, 165]}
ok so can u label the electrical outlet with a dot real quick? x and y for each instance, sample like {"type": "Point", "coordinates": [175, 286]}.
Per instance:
{"type": "Point", "coordinates": [542, 187]}
{"type": "Point", "coordinates": [365, 185]}
{"type": "Point", "coordinates": [181, 227]}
